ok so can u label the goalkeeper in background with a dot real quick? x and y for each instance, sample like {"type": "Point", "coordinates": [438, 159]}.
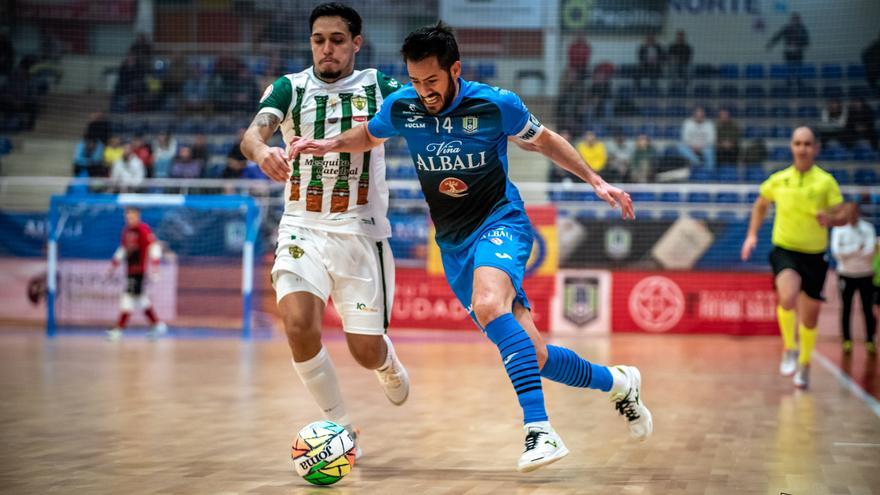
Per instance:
{"type": "Point", "coordinates": [139, 249]}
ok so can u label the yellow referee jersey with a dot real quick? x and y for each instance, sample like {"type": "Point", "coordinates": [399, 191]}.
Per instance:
{"type": "Point", "coordinates": [799, 197]}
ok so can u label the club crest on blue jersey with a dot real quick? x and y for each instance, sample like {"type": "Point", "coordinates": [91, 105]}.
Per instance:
{"type": "Point", "coordinates": [470, 124]}
{"type": "Point", "coordinates": [453, 186]}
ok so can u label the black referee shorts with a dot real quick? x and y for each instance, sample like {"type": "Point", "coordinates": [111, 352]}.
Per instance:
{"type": "Point", "coordinates": [811, 267]}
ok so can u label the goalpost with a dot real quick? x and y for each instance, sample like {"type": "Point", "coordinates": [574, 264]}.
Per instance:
{"type": "Point", "coordinates": [206, 273]}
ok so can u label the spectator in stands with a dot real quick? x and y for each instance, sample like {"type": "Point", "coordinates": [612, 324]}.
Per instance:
{"type": "Point", "coordinates": [860, 123]}
{"type": "Point", "coordinates": [570, 103]}
{"type": "Point", "coordinates": [593, 151]}
{"type": "Point", "coordinates": [853, 246]}
{"type": "Point", "coordinates": [172, 84]}
{"type": "Point", "coordinates": [871, 59]}
{"type": "Point", "coordinates": [698, 138]}
{"type": "Point", "coordinates": [113, 151]}
{"type": "Point", "coordinates": [679, 56]}
{"type": "Point", "coordinates": [642, 168]}
{"type": "Point", "coordinates": [196, 91]}
{"type": "Point", "coordinates": [620, 156]}
{"type": "Point", "coordinates": [142, 51]}
{"type": "Point", "coordinates": [244, 91]}
{"type": "Point", "coordinates": [7, 55]}
{"type": "Point", "coordinates": [795, 40]}
{"type": "Point", "coordinates": [98, 127]}
{"type": "Point", "coordinates": [755, 153]}
{"type": "Point", "coordinates": [128, 172]}
{"type": "Point", "coordinates": [728, 138]}
{"type": "Point", "coordinates": [130, 87]}
{"type": "Point", "coordinates": [579, 57]}
{"type": "Point", "coordinates": [17, 97]}
{"type": "Point", "coordinates": [224, 85]}
{"type": "Point", "coordinates": [199, 148]}
{"type": "Point", "coordinates": [601, 103]}
{"type": "Point", "coordinates": [143, 150]}
{"type": "Point", "coordinates": [88, 158]}
{"type": "Point", "coordinates": [164, 152]}
{"type": "Point", "coordinates": [650, 56]}
{"type": "Point", "coordinates": [186, 167]}
{"type": "Point", "coordinates": [832, 125]}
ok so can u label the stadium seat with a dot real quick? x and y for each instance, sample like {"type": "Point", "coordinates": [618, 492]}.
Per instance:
{"type": "Point", "coordinates": [703, 91]}
{"type": "Point", "coordinates": [754, 71]}
{"type": "Point", "coordinates": [628, 130]}
{"type": "Point", "coordinates": [642, 196]}
{"type": "Point", "coordinates": [676, 111]}
{"type": "Point", "coordinates": [808, 71]}
{"type": "Point", "coordinates": [780, 92]}
{"type": "Point", "coordinates": [728, 91]}
{"type": "Point", "coordinates": [755, 112]}
{"type": "Point", "coordinates": [670, 197]}
{"type": "Point", "coordinates": [5, 146]}
{"type": "Point", "coordinates": [728, 173]}
{"type": "Point", "coordinates": [672, 132]}
{"type": "Point", "coordinates": [755, 174]}
{"type": "Point", "coordinates": [780, 112]}
{"type": "Point", "coordinates": [780, 132]}
{"type": "Point", "coordinates": [704, 71]}
{"type": "Point", "coordinates": [586, 214]}
{"type": "Point", "coordinates": [728, 71]}
{"type": "Point", "coordinates": [700, 175]}
{"type": "Point", "coordinates": [486, 70]}
{"type": "Point", "coordinates": [841, 175]}
{"type": "Point", "coordinates": [625, 92]}
{"type": "Point", "coordinates": [753, 196]}
{"type": "Point", "coordinates": [755, 132]}
{"type": "Point", "coordinates": [832, 71]}
{"type": "Point", "coordinates": [648, 92]}
{"type": "Point", "coordinates": [699, 214]}
{"type": "Point", "coordinates": [859, 92]}
{"type": "Point", "coordinates": [779, 71]}
{"type": "Point", "coordinates": [650, 130]}
{"type": "Point", "coordinates": [651, 112]}
{"type": "Point", "coordinates": [676, 90]}
{"type": "Point", "coordinates": [727, 216]}
{"type": "Point", "coordinates": [754, 92]}
{"type": "Point", "coordinates": [829, 92]}
{"type": "Point", "coordinates": [855, 71]}
{"type": "Point", "coordinates": [807, 92]}
{"type": "Point", "coordinates": [669, 214]}
{"type": "Point", "coordinates": [864, 153]}
{"type": "Point", "coordinates": [865, 177]}
{"type": "Point", "coordinates": [698, 197]}
{"type": "Point", "coordinates": [780, 154]}
{"type": "Point", "coordinates": [727, 197]}
{"type": "Point", "coordinates": [807, 112]}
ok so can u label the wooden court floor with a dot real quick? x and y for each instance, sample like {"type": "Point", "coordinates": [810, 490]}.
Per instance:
{"type": "Point", "coordinates": [215, 416]}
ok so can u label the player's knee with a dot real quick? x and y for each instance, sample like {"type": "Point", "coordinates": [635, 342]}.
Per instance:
{"type": "Point", "coordinates": [368, 350]}
{"type": "Point", "coordinates": [487, 306]}
{"type": "Point", "coordinates": [788, 300]}
{"type": "Point", "coordinates": [299, 328]}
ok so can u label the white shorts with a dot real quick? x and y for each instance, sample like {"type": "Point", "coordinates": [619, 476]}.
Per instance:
{"type": "Point", "coordinates": [355, 270]}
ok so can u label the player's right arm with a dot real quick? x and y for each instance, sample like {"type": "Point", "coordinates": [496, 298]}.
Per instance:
{"type": "Point", "coordinates": [253, 145]}
{"type": "Point", "coordinates": [759, 213]}
{"type": "Point", "coordinates": [118, 256]}
{"type": "Point", "coordinates": [354, 140]}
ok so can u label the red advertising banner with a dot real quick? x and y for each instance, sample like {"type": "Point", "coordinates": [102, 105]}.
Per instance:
{"type": "Point", "coordinates": [693, 302]}
{"type": "Point", "coordinates": [119, 11]}
{"type": "Point", "coordinates": [425, 301]}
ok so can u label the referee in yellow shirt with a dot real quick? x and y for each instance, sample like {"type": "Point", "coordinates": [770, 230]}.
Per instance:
{"type": "Point", "coordinates": [808, 201]}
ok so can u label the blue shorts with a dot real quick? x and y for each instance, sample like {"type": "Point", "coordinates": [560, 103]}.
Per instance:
{"type": "Point", "coordinates": [504, 243]}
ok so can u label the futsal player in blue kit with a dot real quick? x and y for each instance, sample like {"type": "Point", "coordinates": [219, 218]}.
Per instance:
{"type": "Point", "coordinates": [457, 133]}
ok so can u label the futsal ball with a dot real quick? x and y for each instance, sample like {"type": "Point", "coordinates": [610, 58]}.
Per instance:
{"type": "Point", "coordinates": [323, 453]}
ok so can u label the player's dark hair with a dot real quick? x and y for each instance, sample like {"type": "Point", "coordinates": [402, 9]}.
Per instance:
{"type": "Point", "coordinates": [432, 41]}
{"type": "Point", "coordinates": [335, 9]}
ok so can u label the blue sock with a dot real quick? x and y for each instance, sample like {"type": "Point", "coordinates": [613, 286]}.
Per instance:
{"type": "Point", "coordinates": [521, 364]}
{"type": "Point", "coordinates": [564, 366]}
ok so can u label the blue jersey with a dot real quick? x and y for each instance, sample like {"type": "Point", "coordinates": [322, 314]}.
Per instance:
{"type": "Point", "coordinates": [460, 154]}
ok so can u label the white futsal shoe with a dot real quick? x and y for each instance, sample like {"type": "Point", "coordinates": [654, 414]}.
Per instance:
{"type": "Point", "coordinates": [788, 364]}
{"type": "Point", "coordinates": [393, 377]}
{"type": "Point", "coordinates": [114, 334]}
{"type": "Point", "coordinates": [543, 447]}
{"type": "Point", "coordinates": [159, 329]}
{"type": "Point", "coordinates": [628, 402]}
{"type": "Point", "coordinates": [801, 378]}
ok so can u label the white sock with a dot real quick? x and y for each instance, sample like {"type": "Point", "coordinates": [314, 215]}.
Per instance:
{"type": "Point", "coordinates": [388, 354]}
{"type": "Point", "coordinates": [620, 382]}
{"type": "Point", "coordinates": [544, 425]}
{"type": "Point", "coordinates": [319, 376]}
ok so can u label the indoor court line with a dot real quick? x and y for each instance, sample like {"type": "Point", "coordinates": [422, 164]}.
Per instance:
{"type": "Point", "coordinates": [848, 383]}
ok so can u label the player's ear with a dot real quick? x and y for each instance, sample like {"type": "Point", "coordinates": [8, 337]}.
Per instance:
{"type": "Point", "coordinates": [358, 41]}
{"type": "Point", "coordinates": [455, 69]}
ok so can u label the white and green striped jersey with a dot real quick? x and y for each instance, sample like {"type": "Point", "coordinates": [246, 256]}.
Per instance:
{"type": "Point", "coordinates": [338, 192]}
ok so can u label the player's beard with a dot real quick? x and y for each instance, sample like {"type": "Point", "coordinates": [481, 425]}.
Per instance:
{"type": "Point", "coordinates": [329, 75]}
{"type": "Point", "coordinates": [448, 95]}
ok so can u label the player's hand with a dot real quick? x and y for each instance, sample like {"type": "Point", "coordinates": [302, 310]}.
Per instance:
{"type": "Point", "coordinates": [315, 147]}
{"type": "Point", "coordinates": [273, 164]}
{"type": "Point", "coordinates": [615, 197]}
{"type": "Point", "coordinates": [823, 219]}
{"type": "Point", "coordinates": [747, 247]}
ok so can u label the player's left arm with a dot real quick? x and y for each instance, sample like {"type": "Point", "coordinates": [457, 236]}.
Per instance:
{"type": "Point", "coordinates": [562, 153]}
{"type": "Point", "coordinates": [839, 212]}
